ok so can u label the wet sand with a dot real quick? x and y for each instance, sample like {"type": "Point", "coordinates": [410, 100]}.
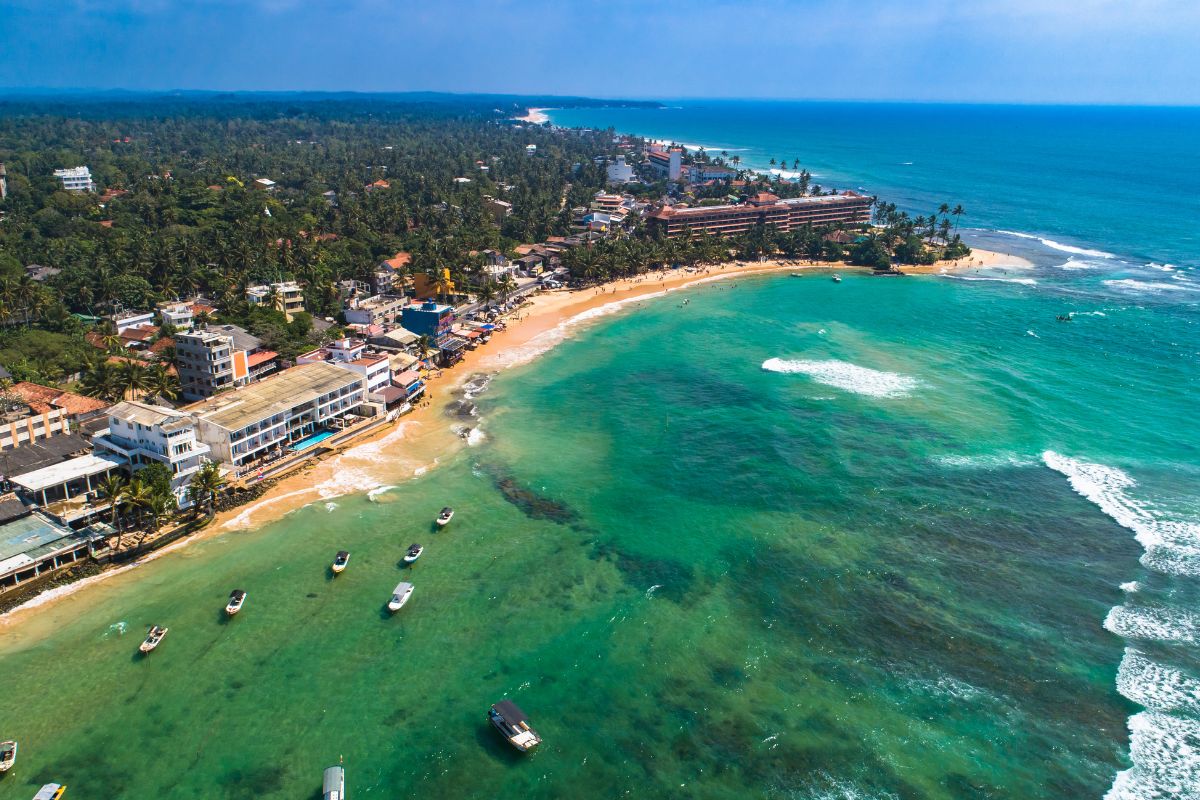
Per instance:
{"type": "Point", "coordinates": [427, 435]}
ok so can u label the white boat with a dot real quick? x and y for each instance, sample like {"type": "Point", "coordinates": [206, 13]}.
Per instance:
{"type": "Point", "coordinates": [51, 791]}
{"type": "Point", "coordinates": [333, 786]}
{"type": "Point", "coordinates": [340, 561]}
{"type": "Point", "coordinates": [236, 598]}
{"type": "Point", "coordinates": [837, 278]}
{"type": "Point", "coordinates": [400, 596]}
{"type": "Point", "coordinates": [414, 552]}
{"type": "Point", "coordinates": [445, 517]}
{"type": "Point", "coordinates": [514, 725]}
{"type": "Point", "coordinates": [154, 638]}
{"type": "Point", "coordinates": [8, 755]}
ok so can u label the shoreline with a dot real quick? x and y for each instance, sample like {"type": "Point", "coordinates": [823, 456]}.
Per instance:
{"type": "Point", "coordinates": [535, 116]}
{"type": "Point", "coordinates": [426, 436]}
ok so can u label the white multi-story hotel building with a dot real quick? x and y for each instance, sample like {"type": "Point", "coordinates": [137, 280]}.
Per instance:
{"type": "Point", "coordinates": [76, 179]}
{"type": "Point", "coordinates": [139, 434]}
{"type": "Point", "coordinates": [283, 411]}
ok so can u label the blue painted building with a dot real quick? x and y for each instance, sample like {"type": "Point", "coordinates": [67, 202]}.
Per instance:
{"type": "Point", "coordinates": [429, 319]}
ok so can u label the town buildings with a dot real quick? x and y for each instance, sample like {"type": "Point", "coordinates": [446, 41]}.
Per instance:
{"type": "Point", "coordinates": [177, 314]}
{"type": "Point", "coordinates": [139, 434]}
{"type": "Point", "coordinates": [208, 363]}
{"type": "Point", "coordinates": [287, 411]}
{"type": "Point", "coordinates": [499, 209]}
{"type": "Point", "coordinates": [429, 319]}
{"type": "Point", "coordinates": [76, 179]}
{"type": "Point", "coordinates": [373, 310]}
{"type": "Point", "coordinates": [286, 296]}
{"type": "Point", "coordinates": [847, 208]}
{"type": "Point", "coordinates": [666, 163]}
{"type": "Point", "coordinates": [32, 544]}
{"type": "Point", "coordinates": [353, 355]}
{"type": "Point", "coordinates": [619, 172]}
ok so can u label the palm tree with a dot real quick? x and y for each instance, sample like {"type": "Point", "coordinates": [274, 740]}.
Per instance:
{"type": "Point", "coordinates": [957, 212]}
{"type": "Point", "coordinates": [205, 485]}
{"type": "Point", "coordinates": [134, 378]}
{"type": "Point", "coordinates": [423, 346]}
{"type": "Point", "coordinates": [112, 488]}
{"type": "Point", "coordinates": [137, 495]}
{"type": "Point", "coordinates": [158, 506]}
{"type": "Point", "coordinates": [160, 381]}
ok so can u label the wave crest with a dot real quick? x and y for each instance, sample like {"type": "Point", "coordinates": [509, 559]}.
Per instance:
{"type": "Point", "coordinates": [847, 377]}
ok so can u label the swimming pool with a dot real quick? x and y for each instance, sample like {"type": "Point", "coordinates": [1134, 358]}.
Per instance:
{"type": "Point", "coordinates": [309, 441]}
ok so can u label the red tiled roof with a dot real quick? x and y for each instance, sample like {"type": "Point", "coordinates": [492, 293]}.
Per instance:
{"type": "Point", "coordinates": [261, 357]}
{"type": "Point", "coordinates": [43, 398]}
{"type": "Point", "coordinates": [399, 260]}
{"type": "Point", "coordinates": [142, 333]}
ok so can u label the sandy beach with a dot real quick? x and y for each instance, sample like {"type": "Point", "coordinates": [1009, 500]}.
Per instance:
{"type": "Point", "coordinates": [427, 436]}
{"type": "Point", "coordinates": [536, 116]}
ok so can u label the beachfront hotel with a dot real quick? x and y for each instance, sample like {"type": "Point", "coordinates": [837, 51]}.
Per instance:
{"type": "Point", "coordinates": [847, 208]}
{"type": "Point", "coordinates": [289, 410]}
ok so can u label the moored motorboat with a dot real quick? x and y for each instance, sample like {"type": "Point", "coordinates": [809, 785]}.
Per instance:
{"type": "Point", "coordinates": [50, 791]}
{"type": "Point", "coordinates": [154, 638]}
{"type": "Point", "coordinates": [400, 596]}
{"type": "Point", "coordinates": [514, 725]}
{"type": "Point", "coordinates": [414, 552]}
{"type": "Point", "coordinates": [340, 561]}
{"type": "Point", "coordinates": [445, 517]}
{"type": "Point", "coordinates": [8, 755]}
{"type": "Point", "coordinates": [333, 785]}
{"type": "Point", "coordinates": [837, 278]}
{"type": "Point", "coordinates": [236, 598]}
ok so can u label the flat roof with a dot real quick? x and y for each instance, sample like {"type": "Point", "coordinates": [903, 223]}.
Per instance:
{"type": "Point", "coordinates": [148, 415]}
{"type": "Point", "coordinates": [42, 453]}
{"type": "Point", "coordinates": [81, 467]}
{"type": "Point", "coordinates": [292, 387]}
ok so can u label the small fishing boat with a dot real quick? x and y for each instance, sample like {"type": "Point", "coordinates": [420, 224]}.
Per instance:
{"type": "Point", "coordinates": [154, 638]}
{"type": "Point", "coordinates": [236, 598]}
{"type": "Point", "coordinates": [333, 786]}
{"type": "Point", "coordinates": [837, 278]}
{"type": "Point", "coordinates": [414, 552]}
{"type": "Point", "coordinates": [1064, 317]}
{"type": "Point", "coordinates": [514, 725]}
{"type": "Point", "coordinates": [444, 518]}
{"type": "Point", "coordinates": [51, 791]}
{"type": "Point", "coordinates": [400, 596]}
{"type": "Point", "coordinates": [8, 755]}
{"type": "Point", "coordinates": [340, 561]}
{"type": "Point", "coordinates": [797, 274]}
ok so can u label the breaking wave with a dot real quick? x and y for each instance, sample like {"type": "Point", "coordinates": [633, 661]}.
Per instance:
{"type": "Point", "coordinates": [1021, 281]}
{"type": "Point", "coordinates": [1064, 248]}
{"type": "Point", "coordinates": [1164, 744]}
{"type": "Point", "coordinates": [847, 377]}
{"type": "Point", "coordinates": [1153, 287]}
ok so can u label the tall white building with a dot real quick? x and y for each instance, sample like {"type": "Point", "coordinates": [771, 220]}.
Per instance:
{"type": "Point", "coordinates": [620, 172]}
{"type": "Point", "coordinates": [287, 297]}
{"type": "Point", "coordinates": [139, 434]}
{"type": "Point", "coordinates": [76, 179]}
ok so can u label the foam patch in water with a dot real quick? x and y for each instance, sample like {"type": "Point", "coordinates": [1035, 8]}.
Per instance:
{"type": "Point", "coordinates": [1153, 623]}
{"type": "Point", "coordinates": [1156, 686]}
{"type": "Point", "coordinates": [847, 377]}
{"type": "Point", "coordinates": [1150, 287]}
{"type": "Point", "coordinates": [1165, 751]}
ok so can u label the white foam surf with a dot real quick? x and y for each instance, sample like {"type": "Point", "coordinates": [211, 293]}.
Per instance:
{"type": "Point", "coordinates": [1153, 623]}
{"type": "Point", "coordinates": [1165, 751]}
{"type": "Point", "coordinates": [984, 461]}
{"type": "Point", "coordinates": [476, 437]}
{"type": "Point", "coordinates": [847, 377]}
{"type": "Point", "coordinates": [1171, 546]}
{"type": "Point", "coordinates": [1148, 287]}
{"type": "Point", "coordinates": [1020, 281]}
{"type": "Point", "coordinates": [1155, 686]}
{"type": "Point", "coordinates": [1064, 248]}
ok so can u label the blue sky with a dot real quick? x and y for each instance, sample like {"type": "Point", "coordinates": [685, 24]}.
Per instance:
{"type": "Point", "coordinates": [1081, 51]}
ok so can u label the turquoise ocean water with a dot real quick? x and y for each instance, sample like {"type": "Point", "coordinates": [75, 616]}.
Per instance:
{"type": "Point", "coordinates": [906, 538]}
